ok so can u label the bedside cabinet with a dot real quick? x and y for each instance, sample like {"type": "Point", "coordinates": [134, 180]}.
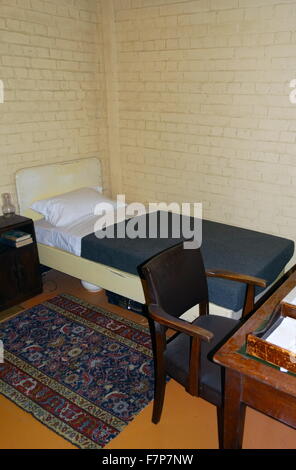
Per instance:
{"type": "Point", "coordinates": [20, 276]}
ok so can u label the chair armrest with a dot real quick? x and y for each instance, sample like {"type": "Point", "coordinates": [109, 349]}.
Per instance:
{"type": "Point", "coordinates": [251, 282]}
{"type": "Point", "coordinates": [231, 276]}
{"type": "Point", "coordinates": [177, 324]}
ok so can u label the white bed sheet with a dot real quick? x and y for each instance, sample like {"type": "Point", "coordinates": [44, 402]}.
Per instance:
{"type": "Point", "coordinates": [66, 238]}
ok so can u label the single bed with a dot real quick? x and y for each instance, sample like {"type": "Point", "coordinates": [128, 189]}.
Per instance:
{"type": "Point", "coordinates": [60, 248]}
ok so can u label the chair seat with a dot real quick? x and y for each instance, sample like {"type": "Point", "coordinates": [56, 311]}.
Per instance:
{"type": "Point", "coordinates": [177, 356]}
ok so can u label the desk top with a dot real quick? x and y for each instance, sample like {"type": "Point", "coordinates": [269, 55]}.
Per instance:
{"type": "Point", "coordinates": [229, 356]}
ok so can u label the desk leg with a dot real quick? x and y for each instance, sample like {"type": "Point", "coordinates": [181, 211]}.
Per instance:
{"type": "Point", "coordinates": [234, 411]}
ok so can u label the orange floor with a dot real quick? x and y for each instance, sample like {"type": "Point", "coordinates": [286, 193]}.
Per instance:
{"type": "Point", "coordinates": [187, 422]}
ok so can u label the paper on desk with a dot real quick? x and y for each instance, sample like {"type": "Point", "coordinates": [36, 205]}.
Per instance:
{"type": "Point", "coordinates": [284, 335]}
{"type": "Point", "coordinates": [291, 297]}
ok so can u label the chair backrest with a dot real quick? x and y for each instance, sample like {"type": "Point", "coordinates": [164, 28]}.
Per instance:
{"type": "Point", "coordinates": [176, 280]}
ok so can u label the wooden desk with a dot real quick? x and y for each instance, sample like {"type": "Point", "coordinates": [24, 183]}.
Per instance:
{"type": "Point", "coordinates": [253, 383]}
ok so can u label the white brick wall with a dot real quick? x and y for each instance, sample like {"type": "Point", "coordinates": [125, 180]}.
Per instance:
{"type": "Point", "coordinates": [196, 106]}
{"type": "Point", "coordinates": [204, 107]}
{"type": "Point", "coordinates": [53, 73]}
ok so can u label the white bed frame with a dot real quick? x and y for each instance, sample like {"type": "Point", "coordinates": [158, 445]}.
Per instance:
{"type": "Point", "coordinates": [40, 182]}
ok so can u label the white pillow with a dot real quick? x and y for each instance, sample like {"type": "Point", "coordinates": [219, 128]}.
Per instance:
{"type": "Point", "coordinates": [66, 208]}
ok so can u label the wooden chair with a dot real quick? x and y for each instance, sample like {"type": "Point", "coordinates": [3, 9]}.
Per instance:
{"type": "Point", "coordinates": [174, 281]}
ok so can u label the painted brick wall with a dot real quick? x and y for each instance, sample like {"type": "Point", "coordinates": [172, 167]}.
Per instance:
{"type": "Point", "coordinates": [185, 100]}
{"type": "Point", "coordinates": [204, 110]}
{"type": "Point", "coordinates": [51, 63]}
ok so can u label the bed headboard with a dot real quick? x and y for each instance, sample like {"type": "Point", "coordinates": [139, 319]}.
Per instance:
{"type": "Point", "coordinates": [43, 181]}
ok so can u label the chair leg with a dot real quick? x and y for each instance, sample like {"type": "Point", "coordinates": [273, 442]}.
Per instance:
{"type": "Point", "coordinates": [159, 393]}
{"type": "Point", "coordinates": [159, 370]}
{"type": "Point", "coordinates": [220, 422]}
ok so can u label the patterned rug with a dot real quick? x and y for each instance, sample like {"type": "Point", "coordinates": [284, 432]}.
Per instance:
{"type": "Point", "coordinates": [80, 370]}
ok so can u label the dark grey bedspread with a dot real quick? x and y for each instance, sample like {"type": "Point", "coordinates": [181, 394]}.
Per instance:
{"type": "Point", "coordinates": [223, 247]}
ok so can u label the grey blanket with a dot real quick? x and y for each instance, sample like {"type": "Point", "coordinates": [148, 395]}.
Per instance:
{"type": "Point", "coordinates": [223, 247]}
